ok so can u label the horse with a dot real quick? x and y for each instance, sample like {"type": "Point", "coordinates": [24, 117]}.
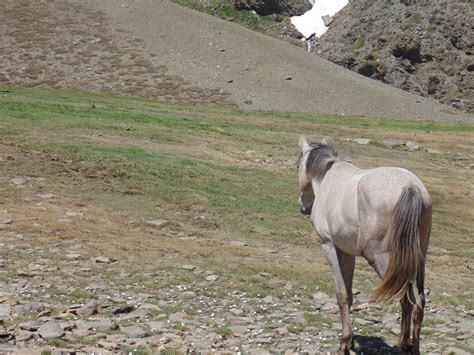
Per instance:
{"type": "Point", "coordinates": [382, 214]}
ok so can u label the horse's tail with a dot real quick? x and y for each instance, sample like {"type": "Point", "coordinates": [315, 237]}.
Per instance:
{"type": "Point", "coordinates": [406, 259]}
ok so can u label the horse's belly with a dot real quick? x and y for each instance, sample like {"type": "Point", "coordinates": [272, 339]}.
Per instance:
{"type": "Point", "coordinates": [344, 237]}
{"type": "Point", "coordinates": [347, 241]}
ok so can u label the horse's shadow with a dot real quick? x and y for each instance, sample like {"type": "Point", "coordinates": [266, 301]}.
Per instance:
{"type": "Point", "coordinates": [373, 345]}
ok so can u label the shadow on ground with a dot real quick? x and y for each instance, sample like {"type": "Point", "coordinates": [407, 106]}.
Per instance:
{"type": "Point", "coordinates": [373, 345]}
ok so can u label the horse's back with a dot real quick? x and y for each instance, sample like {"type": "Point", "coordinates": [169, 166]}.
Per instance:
{"type": "Point", "coordinates": [383, 186]}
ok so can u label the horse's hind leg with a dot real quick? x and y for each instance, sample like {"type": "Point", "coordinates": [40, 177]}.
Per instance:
{"type": "Point", "coordinates": [407, 309]}
{"type": "Point", "coordinates": [418, 312]}
{"type": "Point", "coordinates": [342, 267]}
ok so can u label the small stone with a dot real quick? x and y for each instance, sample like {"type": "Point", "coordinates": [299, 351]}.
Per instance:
{"type": "Point", "coordinates": [51, 330]}
{"type": "Point", "coordinates": [178, 317]}
{"type": "Point", "coordinates": [47, 196]}
{"type": "Point", "coordinates": [188, 294]}
{"type": "Point", "coordinates": [23, 335]}
{"type": "Point", "coordinates": [188, 267]}
{"type": "Point", "coordinates": [212, 278]}
{"type": "Point", "coordinates": [156, 326]}
{"type": "Point", "coordinates": [268, 299]}
{"type": "Point", "coordinates": [134, 331]}
{"type": "Point", "coordinates": [452, 350]}
{"type": "Point", "coordinates": [392, 143]}
{"type": "Point", "coordinates": [73, 256]}
{"type": "Point", "coordinates": [89, 309]}
{"type": "Point", "coordinates": [236, 312]}
{"type": "Point", "coordinates": [158, 223]}
{"type": "Point", "coordinates": [30, 326]}
{"type": "Point", "coordinates": [395, 330]}
{"type": "Point", "coordinates": [18, 181]}
{"type": "Point", "coordinates": [289, 77]}
{"type": "Point", "coordinates": [5, 310]}
{"type": "Point", "coordinates": [230, 81]}
{"type": "Point", "coordinates": [102, 260]}
{"type": "Point", "coordinates": [362, 141]}
{"type": "Point", "coordinates": [362, 321]}
{"type": "Point", "coordinates": [237, 243]}
{"type": "Point", "coordinates": [320, 297]}
{"type": "Point", "coordinates": [74, 214]}
{"type": "Point", "coordinates": [327, 20]}
{"type": "Point", "coordinates": [7, 221]}
{"type": "Point", "coordinates": [413, 146]}
{"type": "Point", "coordinates": [121, 309]}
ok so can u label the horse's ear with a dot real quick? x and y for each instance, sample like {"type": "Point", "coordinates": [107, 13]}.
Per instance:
{"type": "Point", "coordinates": [326, 141]}
{"type": "Point", "coordinates": [303, 144]}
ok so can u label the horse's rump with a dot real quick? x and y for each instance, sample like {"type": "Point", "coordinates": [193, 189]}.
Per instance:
{"type": "Point", "coordinates": [406, 257]}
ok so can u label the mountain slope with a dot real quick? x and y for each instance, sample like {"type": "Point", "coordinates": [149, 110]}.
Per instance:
{"type": "Point", "coordinates": [425, 47]}
{"type": "Point", "coordinates": [256, 69]}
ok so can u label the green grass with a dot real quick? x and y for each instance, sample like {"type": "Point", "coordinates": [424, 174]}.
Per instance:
{"type": "Point", "coordinates": [224, 330]}
{"type": "Point", "coordinates": [317, 318]}
{"type": "Point", "coordinates": [136, 155]}
{"type": "Point", "coordinates": [227, 11]}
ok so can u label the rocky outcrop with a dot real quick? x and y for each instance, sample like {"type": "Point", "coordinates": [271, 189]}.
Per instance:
{"type": "Point", "coordinates": [425, 47]}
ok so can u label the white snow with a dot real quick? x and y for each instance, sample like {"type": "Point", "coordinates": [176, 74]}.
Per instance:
{"type": "Point", "coordinates": [311, 22]}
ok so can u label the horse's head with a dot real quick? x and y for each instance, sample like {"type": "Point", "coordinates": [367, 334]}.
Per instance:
{"type": "Point", "coordinates": [306, 199]}
{"type": "Point", "coordinates": [315, 161]}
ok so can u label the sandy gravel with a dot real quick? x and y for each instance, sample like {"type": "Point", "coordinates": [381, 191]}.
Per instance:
{"type": "Point", "coordinates": [258, 71]}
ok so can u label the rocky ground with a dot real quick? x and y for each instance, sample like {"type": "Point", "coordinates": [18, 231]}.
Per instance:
{"type": "Point", "coordinates": [85, 275]}
{"type": "Point", "coordinates": [57, 293]}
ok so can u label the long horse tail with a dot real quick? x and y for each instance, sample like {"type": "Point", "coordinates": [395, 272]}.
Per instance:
{"type": "Point", "coordinates": [406, 258]}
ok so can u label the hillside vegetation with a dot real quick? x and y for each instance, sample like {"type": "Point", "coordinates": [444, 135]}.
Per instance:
{"type": "Point", "coordinates": [82, 175]}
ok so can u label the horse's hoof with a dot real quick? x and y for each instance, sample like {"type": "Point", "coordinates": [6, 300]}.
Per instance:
{"type": "Point", "coordinates": [343, 350]}
{"type": "Point", "coordinates": [407, 347]}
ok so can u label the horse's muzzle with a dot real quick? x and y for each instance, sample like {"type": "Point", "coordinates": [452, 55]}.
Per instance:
{"type": "Point", "coordinates": [303, 209]}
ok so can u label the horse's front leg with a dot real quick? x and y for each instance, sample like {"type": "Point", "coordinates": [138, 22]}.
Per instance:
{"type": "Point", "coordinates": [342, 267]}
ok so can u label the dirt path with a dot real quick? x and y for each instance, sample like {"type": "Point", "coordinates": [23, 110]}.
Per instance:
{"type": "Point", "coordinates": [260, 72]}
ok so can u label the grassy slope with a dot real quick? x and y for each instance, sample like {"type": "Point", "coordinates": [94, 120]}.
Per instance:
{"type": "Point", "coordinates": [238, 169]}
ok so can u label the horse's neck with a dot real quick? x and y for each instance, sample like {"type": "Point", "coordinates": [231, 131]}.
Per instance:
{"type": "Point", "coordinates": [341, 170]}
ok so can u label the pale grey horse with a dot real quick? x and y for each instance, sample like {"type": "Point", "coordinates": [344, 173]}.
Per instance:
{"type": "Point", "coordinates": [382, 214]}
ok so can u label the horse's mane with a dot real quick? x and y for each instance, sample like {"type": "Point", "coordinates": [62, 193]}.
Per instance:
{"type": "Point", "coordinates": [321, 158]}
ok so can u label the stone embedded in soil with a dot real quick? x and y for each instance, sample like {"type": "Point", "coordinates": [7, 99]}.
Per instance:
{"type": "Point", "coordinates": [73, 256]}
{"type": "Point", "coordinates": [188, 267]}
{"type": "Point", "coordinates": [362, 141]}
{"type": "Point", "coordinates": [46, 196]}
{"type": "Point", "coordinates": [413, 146]}
{"type": "Point", "coordinates": [23, 335]}
{"type": "Point", "coordinates": [5, 310]}
{"type": "Point", "coordinates": [102, 260]}
{"type": "Point", "coordinates": [30, 326]}
{"type": "Point", "coordinates": [134, 331]}
{"type": "Point", "coordinates": [18, 181]}
{"type": "Point", "coordinates": [51, 330]}
{"type": "Point", "coordinates": [212, 278]}
{"type": "Point", "coordinates": [89, 309]}
{"type": "Point", "coordinates": [158, 223]}
{"type": "Point", "coordinates": [392, 143]}
{"type": "Point", "coordinates": [156, 326]}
